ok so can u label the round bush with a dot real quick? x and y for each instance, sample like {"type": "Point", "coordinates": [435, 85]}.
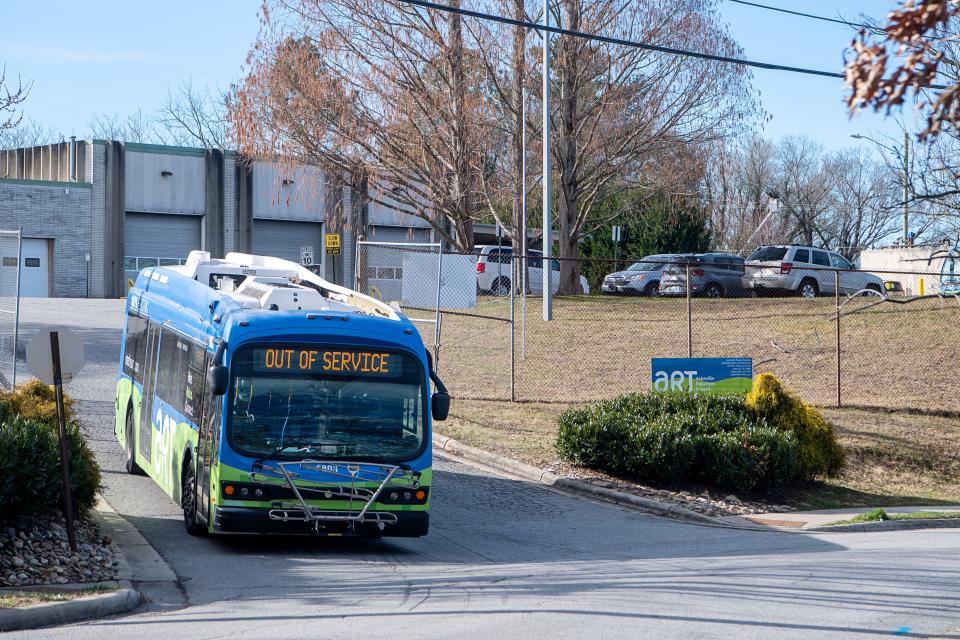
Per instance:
{"type": "Point", "coordinates": [31, 480]}
{"type": "Point", "coordinates": [676, 437]}
{"type": "Point", "coordinates": [820, 453]}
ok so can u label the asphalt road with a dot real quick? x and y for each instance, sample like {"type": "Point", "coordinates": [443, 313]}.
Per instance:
{"type": "Point", "coordinates": [505, 559]}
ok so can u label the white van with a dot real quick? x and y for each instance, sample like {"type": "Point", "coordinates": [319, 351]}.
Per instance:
{"type": "Point", "coordinates": [493, 271]}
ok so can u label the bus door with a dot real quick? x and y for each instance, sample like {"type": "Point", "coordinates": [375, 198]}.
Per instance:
{"type": "Point", "coordinates": [149, 387]}
{"type": "Point", "coordinates": [207, 451]}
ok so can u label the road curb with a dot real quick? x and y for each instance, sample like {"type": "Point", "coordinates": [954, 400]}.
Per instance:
{"type": "Point", "coordinates": [888, 525]}
{"type": "Point", "coordinates": [55, 613]}
{"type": "Point", "coordinates": [542, 476]}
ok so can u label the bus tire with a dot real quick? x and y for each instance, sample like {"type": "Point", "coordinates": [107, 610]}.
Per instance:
{"type": "Point", "coordinates": [130, 464]}
{"type": "Point", "coordinates": [188, 498]}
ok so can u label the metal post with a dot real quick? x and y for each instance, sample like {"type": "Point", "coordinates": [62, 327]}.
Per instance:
{"type": "Point", "coordinates": [513, 344]}
{"type": "Point", "coordinates": [906, 191]}
{"type": "Point", "coordinates": [500, 253]}
{"type": "Point", "coordinates": [64, 447]}
{"type": "Point", "coordinates": [689, 317]}
{"type": "Point", "coordinates": [523, 236]}
{"type": "Point", "coordinates": [836, 297]}
{"type": "Point", "coordinates": [436, 333]}
{"type": "Point", "coordinates": [16, 304]}
{"type": "Point", "coordinates": [547, 267]}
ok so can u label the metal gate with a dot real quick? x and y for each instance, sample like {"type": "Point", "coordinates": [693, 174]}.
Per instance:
{"type": "Point", "coordinates": [11, 246]}
{"type": "Point", "coordinates": [382, 270]}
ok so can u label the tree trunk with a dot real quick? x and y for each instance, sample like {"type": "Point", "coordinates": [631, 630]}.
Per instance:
{"type": "Point", "coordinates": [462, 191]}
{"type": "Point", "coordinates": [569, 249]}
{"type": "Point", "coordinates": [519, 193]}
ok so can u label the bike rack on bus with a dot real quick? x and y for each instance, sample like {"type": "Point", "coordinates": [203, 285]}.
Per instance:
{"type": "Point", "coordinates": [377, 477]}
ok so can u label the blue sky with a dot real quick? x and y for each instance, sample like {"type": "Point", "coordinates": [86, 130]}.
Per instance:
{"type": "Point", "coordinates": [99, 57]}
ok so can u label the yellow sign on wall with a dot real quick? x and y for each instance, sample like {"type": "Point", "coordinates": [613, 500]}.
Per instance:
{"type": "Point", "coordinates": [332, 242]}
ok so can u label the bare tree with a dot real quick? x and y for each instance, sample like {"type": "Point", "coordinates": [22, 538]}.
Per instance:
{"type": "Point", "coordinates": [793, 191]}
{"type": "Point", "coordinates": [194, 117]}
{"type": "Point", "coordinates": [28, 133]}
{"type": "Point", "coordinates": [377, 89]}
{"type": "Point", "coordinates": [10, 99]}
{"type": "Point", "coordinates": [136, 127]}
{"type": "Point", "coordinates": [864, 204]}
{"type": "Point", "coordinates": [621, 111]}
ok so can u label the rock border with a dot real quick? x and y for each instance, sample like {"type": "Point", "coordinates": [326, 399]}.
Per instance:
{"type": "Point", "coordinates": [55, 613]}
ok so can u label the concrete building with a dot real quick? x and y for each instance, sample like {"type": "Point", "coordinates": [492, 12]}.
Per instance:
{"type": "Point", "coordinates": [95, 212]}
{"type": "Point", "coordinates": [919, 270]}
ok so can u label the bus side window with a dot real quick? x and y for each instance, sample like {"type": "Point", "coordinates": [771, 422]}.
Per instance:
{"type": "Point", "coordinates": [170, 375]}
{"type": "Point", "coordinates": [194, 377]}
{"type": "Point", "coordinates": [135, 347]}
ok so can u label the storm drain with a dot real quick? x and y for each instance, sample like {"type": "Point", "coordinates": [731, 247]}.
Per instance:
{"type": "Point", "coordinates": [799, 524]}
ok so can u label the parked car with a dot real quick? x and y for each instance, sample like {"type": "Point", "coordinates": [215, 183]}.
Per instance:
{"type": "Point", "coordinates": [493, 271]}
{"type": "Point", "coordinates": [713, 275]}
{"type": "Point", "coordinates": [806, 271]}
{"type": "Point", "coordinates": [640, 278]}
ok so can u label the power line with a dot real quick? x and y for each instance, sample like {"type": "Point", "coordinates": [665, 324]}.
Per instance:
{"type": "Point", "coordinates": [806, 15]}
{"type": "Point", "coordinates": [630, 43]}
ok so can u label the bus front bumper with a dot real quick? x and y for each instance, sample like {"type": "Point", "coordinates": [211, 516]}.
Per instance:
{"type": "Point", "coordinates": [408, 524]}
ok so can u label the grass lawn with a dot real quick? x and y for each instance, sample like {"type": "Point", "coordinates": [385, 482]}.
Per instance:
{"type": "Point", "coordinates": [600, 346]}
{"type": "Point", "coordinates": [9, 600]}
{"type": "Point", "coordinates": [893, 458]}
{"type": "Point", "coordinates": [878, 515]}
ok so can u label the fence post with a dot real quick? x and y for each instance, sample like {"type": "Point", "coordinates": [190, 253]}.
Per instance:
{"type": "Point", "coordinates": [836, 297]}
{"type": "Point", "coordinates": [513, 332]}
{"type": "Point", "coordinates": [689, 317]}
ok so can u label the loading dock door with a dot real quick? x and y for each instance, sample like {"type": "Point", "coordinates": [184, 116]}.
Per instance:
{"type": "Point", "coordinates": [152, 239]}
{"type": "Point", "coordinates": [284, 238]}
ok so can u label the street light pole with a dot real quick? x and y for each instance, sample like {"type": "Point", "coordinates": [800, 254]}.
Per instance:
{"type": "Point", "coordinates": [547, 266]}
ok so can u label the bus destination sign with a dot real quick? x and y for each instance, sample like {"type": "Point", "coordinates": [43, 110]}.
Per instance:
{"type": "Point", "coordinates": [326, 361]}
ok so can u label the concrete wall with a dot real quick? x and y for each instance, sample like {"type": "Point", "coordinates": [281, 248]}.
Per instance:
{"type": "Point", "coordinates": [158, 182]}
{"type": "Point", "coordinates": [47, 162]}
{"type": "Point", "coordinates": [287, 194]}
{"type": "Point", "coordinates": [914, 259]}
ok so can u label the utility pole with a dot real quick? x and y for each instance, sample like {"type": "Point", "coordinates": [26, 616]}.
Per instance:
{"type": "Point", "coordinates": [547, 266]}
{"type": "Point", "coordinates": [906, 188]}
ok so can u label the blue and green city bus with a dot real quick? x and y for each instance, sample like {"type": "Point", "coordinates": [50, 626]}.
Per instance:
{"type": "Point", "coordinates": [264, 399]}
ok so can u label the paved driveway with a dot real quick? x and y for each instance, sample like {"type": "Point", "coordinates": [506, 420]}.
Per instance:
{"type": "Point", "coordinates": [506, 559]}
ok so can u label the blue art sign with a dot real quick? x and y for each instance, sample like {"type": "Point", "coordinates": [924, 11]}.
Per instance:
{"type": "Point", "coordinates": [702, 375]}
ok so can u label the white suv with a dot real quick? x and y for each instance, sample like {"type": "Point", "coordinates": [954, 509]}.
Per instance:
{"type": "Point", "coordinates": [804, 270]}
{"type": "Point", "coordinates": [494, 266]}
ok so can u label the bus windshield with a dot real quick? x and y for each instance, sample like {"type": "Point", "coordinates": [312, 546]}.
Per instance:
{"type": "Point", "coordinates": [298, 401]}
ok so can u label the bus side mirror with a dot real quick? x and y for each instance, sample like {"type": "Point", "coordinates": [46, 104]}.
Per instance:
{"type": "Point", "coordinates": [217, 379]}
{"type": "Point", "coordinates": [440, 405]}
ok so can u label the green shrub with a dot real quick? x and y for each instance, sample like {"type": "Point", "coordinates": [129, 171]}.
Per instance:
{"type": "Point", "coordinates": [678, 437]}
{"type": "Point", "coordinates": [30, 476]}
{"type": "Point", "coordinates": [820, 453]}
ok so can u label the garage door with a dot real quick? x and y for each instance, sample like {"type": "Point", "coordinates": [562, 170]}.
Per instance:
{"type": "Point", "coordinates": [152, 239]}
{"type": "Point", "coordinates": [35, 268]}
{"type": "Point", "coordinates": [283, 239]}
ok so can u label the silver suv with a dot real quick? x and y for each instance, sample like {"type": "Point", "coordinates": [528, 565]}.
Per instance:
{"type": "Point", "coordinates": [713, 275]}
{"type": "Point", "coordinates": [804, 270]}
{"type": "Point", "coordinates": [640, 278]}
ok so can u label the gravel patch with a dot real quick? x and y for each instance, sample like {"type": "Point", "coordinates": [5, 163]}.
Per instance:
{"type": "Point", "coordinates": [39, 554]}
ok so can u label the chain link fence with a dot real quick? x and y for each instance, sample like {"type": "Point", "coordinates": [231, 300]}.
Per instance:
{"type": "Point", "coordinates": [10, 261]}
{"type": "Point", "coordinates": [834, 334]}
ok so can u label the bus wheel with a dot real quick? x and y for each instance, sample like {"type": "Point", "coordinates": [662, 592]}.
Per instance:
{"type": "Point", "coordinates": [188, 499]}
{"type": "Point", "coordinates": [131, 463]}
